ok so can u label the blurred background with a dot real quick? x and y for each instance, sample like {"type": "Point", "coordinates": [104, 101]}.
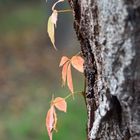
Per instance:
{"type": "Point", "coordinates": [30, 73]}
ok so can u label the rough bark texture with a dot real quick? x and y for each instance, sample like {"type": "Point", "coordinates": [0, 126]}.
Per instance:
{"type": "Point", "coordinates": [109, 34]}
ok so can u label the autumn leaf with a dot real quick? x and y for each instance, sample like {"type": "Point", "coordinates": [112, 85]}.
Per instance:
{"type": "Point", "coordinates": [77, 62]}
{"type": "Point", "coordinates": [50, 121]}
{"type": "Point", "coordinates": [64, 73]}
{"type": "Point", "coordinates": [55, 120]}
{"type": "Point", "coordinates": [54, 17]}
{"type": "Point", "coordinates": [51, 118]}
{"type": "Point", "coordinates": [51, 25]}
{"type": "Point", "coordinates": [69, 78]}
{"type": "Point", "coordinates": [64, 59]}
{"type": "Point", "coordinates": [60, 104]}
{"type": "Point", "coordinates": [64, 62]}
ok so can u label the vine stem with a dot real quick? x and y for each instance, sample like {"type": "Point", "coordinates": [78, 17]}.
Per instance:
{"type": "Point", "coordinates": [69, 95]}
{"type": "Point", "coordinates": [63, 11]}
{"type": "Point", "coordinates": [78, 92]}
{"type": "Point", "coordinates": [78, 53]}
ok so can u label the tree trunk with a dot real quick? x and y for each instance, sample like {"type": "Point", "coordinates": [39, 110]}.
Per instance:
{"type": "Point", "coordinates": [109, 34]}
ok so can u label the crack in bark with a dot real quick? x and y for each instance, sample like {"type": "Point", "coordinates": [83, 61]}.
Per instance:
{"type": "Point", "coordinates": [90, 68]}
{"type": "Point", "coordinates": [90, 71]}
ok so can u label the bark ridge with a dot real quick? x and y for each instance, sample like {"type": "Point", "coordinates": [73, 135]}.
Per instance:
{"type": "Point", "coordinates": [109, 34]}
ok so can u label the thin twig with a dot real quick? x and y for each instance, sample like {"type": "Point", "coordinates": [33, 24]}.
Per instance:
{"type": "Point", "coordinates": [64, 11]}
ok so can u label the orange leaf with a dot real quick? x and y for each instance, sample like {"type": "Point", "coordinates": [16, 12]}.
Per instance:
{"type": "Point", "coordinates": [60, 104]}
{"type": "Point", "coordinates": [64, 59]}
{"type": "Point", "coordinates": [50, 121]}
{"type": "Point", "coordinates": [77, 62]}
{"type": "Point", "coordinates": [69, 78]}
{"type": "Point", "coordinates": [64, 73]}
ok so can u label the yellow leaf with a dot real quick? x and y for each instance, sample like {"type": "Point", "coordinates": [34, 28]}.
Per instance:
{"type": "Point", "coordinates": [51, 31]}
{"type": "Point", "coordinates": [54, 17]}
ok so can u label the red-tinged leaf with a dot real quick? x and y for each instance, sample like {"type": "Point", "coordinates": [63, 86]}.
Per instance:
{"type": "Point", "coordinates": [64, 59]}
{"type": "Point", "coordinates": [55, 120]}
{"type": "Point", "coordinates": [69, 79]}
{"type": "Point", "coordinates": [60, 104]}
{"type": "Point", "coordinates": [50, 121]}
{"type": "Point", "coordinates": [64, 73]}
{"type": "Point", "coordinates": [77, 62]}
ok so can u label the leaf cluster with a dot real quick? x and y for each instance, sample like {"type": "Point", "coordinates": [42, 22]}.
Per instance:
{"type": "Point", "coordinates": [66, 63]}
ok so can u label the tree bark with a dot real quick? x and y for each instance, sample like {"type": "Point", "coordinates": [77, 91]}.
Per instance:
{"type": "Point", "coordinates": [109, 34]}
